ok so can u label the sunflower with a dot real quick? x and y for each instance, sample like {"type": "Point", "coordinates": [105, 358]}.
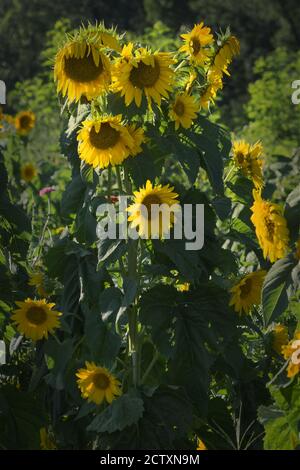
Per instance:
{"type": "Point", "coordinates": [105, 140]}
{"type": "Point", "coordinates": [209, 93]}
{"type": "Point", "coordinates": [280, 337]}
{"type": "Point", "coordinates": [28, 172]}
{"type": "Point", "coordinates": [97, 384]}
{"type": "Point", "coordinates": [247, 292]}
{"type": "Point", "coordinates": [141, 215]}
{"type": "Point", "coordinates": [138, 136]}
{"type": "Point", "coordinates": [143, 73]}
{"type": "Point", "coordinates": [185, 287]}
{"type": "Point", "coordinates": [201, 445]}
{"type": "Point", "coordinates": [37, 280]}
{"type": "Point", "coordinates": [292, 352]}
{"type": "Point", "coordinates": [196, 44]}
{"type": "Point", "coordinates": [229, 49]}
{"type": "Point", "coordinates": [46, 441]}
{"type": "Point", "coordinates": [24, 122]}
{"type": "Point", "coordinates": [81, 68]}
{"type": "Point", "coordinates": [184, 110]}
{"type": "Point", "coordinates": [35, 318]}
{"type": "Point", "coordinates": [270, 227]}
{"type": "Point", "coordinates": [248, 158]}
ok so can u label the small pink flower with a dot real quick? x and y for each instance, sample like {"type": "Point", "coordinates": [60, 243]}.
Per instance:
{"type": "Point", "coordinates": [46, 190]}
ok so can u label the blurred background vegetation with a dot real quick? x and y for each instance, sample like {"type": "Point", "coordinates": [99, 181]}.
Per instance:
{"type": "Point", "coordinates": [256, 101]}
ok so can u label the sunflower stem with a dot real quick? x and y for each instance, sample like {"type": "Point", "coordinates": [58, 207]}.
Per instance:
{"type": "Point", "coordinates": [109, 181]}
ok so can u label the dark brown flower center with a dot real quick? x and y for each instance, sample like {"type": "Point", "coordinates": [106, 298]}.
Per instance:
{"type": "Point", "coordinates": [36, 315]}
{"type": "Point", "coordinates": [101, 381]}
{"type": "Point", "coordinates": [144, 76]}
{"type": "Point", "coordinates": [245, 288]}
{"type": "Point", "coordinates": [270, 229]}
{"type": "Point", "coordinates": [196, 45]}
{"type": "Point", "coordinates": [29, 171]}
{"type": "Point", "coordinates": [179, 108]}
{"type": "Point", "coordinates": [240, 157]}
{"type": "Point", "coordinates": [82, 69]}
{"type": "Point", "coordinates": [105, 138]}
{"type": "Point", "coordinates": [150, 200]}
{"type": "Point", "coordinates": [25, 122]}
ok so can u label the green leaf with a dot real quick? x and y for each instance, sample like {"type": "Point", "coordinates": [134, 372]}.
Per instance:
{"type": "Point", "coordinates": [292, 212]}
{"type": "Point", "coordinates": [123, 412]}
{"type": "Point", "coordinates": [275, 293]}
{"type": "Point", "coordinates": [73, 196]}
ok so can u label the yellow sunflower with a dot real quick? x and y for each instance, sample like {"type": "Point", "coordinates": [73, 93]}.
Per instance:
{"type": "Point", "coordinates": [185, 287]}
{"type": "Point", "coordinates": [37, 280]}
{"type": "Point", "coordinates": [35, 318]}
{"type": "Point", "coordinates": [292, 352]}
{"type": "Point", "coordinates": [225, 54]}
{"type": "Point", "coordinates": [151, 224]}
{"type": "Point", "coordinates": [46, 441]}
{"type": "Point", "coordinates": [270, 227]}
{"type": "Point", "coordinates": [138, 136]}
{"type": "Point", "coordinates": [248, 158]}
{"type": "Point", "coordinates": [143, 73]}
{"type": "Point", "coordinates": [196, 44]}
{"type": "Point", "coordinates": [184, 110]}
{"type": "Point", "coordinates": [280, 337]}
{"type": "Point", "coordinates": [201, 445]}
{"type": "Point", "coordinates": [209, 93]}
{"type": "Point", "coordinates": [106, 140]}
{"type": "Point", "coordinates": [24, 122]}
{"type": "Point", "coordinates": [28, 172]}
{"type": "Point", "coordinates": [81, 68]}
{"type": "Point", "coordinates": [97, 384]}
{"type": "Point", "coordinates": [247, 292]}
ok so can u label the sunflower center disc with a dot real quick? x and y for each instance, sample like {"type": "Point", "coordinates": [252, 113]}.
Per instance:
{"type": "Point", "coordinates": [82, 69]}
{"type": "Point", "coordinates": [28, 172]}
{"type": "Point", "coordinates": [36, 315]}
{"type": "Point", "coordinates": [270, 229]}
{"type": "Point", "coordinates": [246, 288]}
{"type": "Point", "coordinates": [105, 138]}
{"type": "Point", "coordinates": [148, 201]}
{"type": "Point", "coordinates": [101, 381]}
{"type": "Point", "coordinates": [25, 122]}
{"type": "Point", "coordinates": [196, 45]}
{"type": "Point", "coordinates": [179, 108]}
{"type": "Point", "coordinates": [144, 76]}
{"type": "Point", "coordinates": [240, 157]}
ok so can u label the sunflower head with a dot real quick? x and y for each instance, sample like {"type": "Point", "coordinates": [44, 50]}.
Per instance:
{"type": "Point", "coordinates": [35, 318]}
{"type": "Point", "coordinates": [82, 69]}
{"type": "Point", "coordinates": [291, 352]}
{"type": "Point", "coordinates": [280, 337]}
{"type": "Point", "coordinates": [248, 158]}
{"type": "Point", "coordinates": [37, 280]}
{"type": "Point", "coordinates": [185, 287]}
{"type": "Point", "coordinates": [183, 110]}
{"type": "Point", "coordinates": [24, 122]}
{"type": "Point", "coordinates": [196, 44]}
{"type": "Point", "coordinates": [201, 445]}
{"type": "Point", "coordinates": [143, 73]}
{"type": "Point", "coordinates": [270, 227]}
{"type": "Point", "coordinates": [97, 384]}
{"type": "Point", "coordinates": [105, 141]}
{"type": "Point", "coordinates": [213, 85]}
{"type": "Point", "coordinates": [145, 213]}
{"type": "Point", "coordinates": [28, 172]}
{"type": "Point", "coordinates": [229, 48]}
{"type": "Point", "coordinates": [247, 292]}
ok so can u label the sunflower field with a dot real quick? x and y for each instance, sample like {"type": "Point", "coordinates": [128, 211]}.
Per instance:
{"type": "Point", "coordinates": [139, 342]}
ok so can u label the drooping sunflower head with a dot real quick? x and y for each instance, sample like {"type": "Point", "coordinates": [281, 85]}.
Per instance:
{"type": "Point", "coordinates": [248, 158]}
{"type": "Point", "coordinates": [82, 69]}
{"type": "Point", "coordinates": [35, 318]}
{"type": "Point", "coordinates": [213, 85]}
{"type": "Point", "coordinates": [28, 172]}
{"type": "Point", "coordinates": [270, 227]}
{"type": "Point", "coordinates": [292, 352]}
{"type": "Point", "coordinates": [37, 280]}
{"type": "Point", "coordinates": [105, 141]}
{"type": "Point", "coordinates": [145, 214]}
{"type": "Point", "coordinates": [196, 44]}
{"type": "Point", "coordinates": [247, 292]}
{"type": "Point", "coordinates": [98, 384]}
{"type": "Point", "coordinates": [183, 110]}
{"type": "Point", "coordinates": [280, 337]}
{"type": "Point", "coordinates": [24, 122]}
{"type": "Point", "coordinates": [229, 48]}
{"type": "Point", "coordinates": [143, 73]}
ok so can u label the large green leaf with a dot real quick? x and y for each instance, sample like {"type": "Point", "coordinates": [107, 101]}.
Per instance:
{"type": "Point", "coordinates": [123, 412]}
{"type": "Point", "coordinates": [276, 288]}
{"type": "Point", "coordinates": [292, 212]}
